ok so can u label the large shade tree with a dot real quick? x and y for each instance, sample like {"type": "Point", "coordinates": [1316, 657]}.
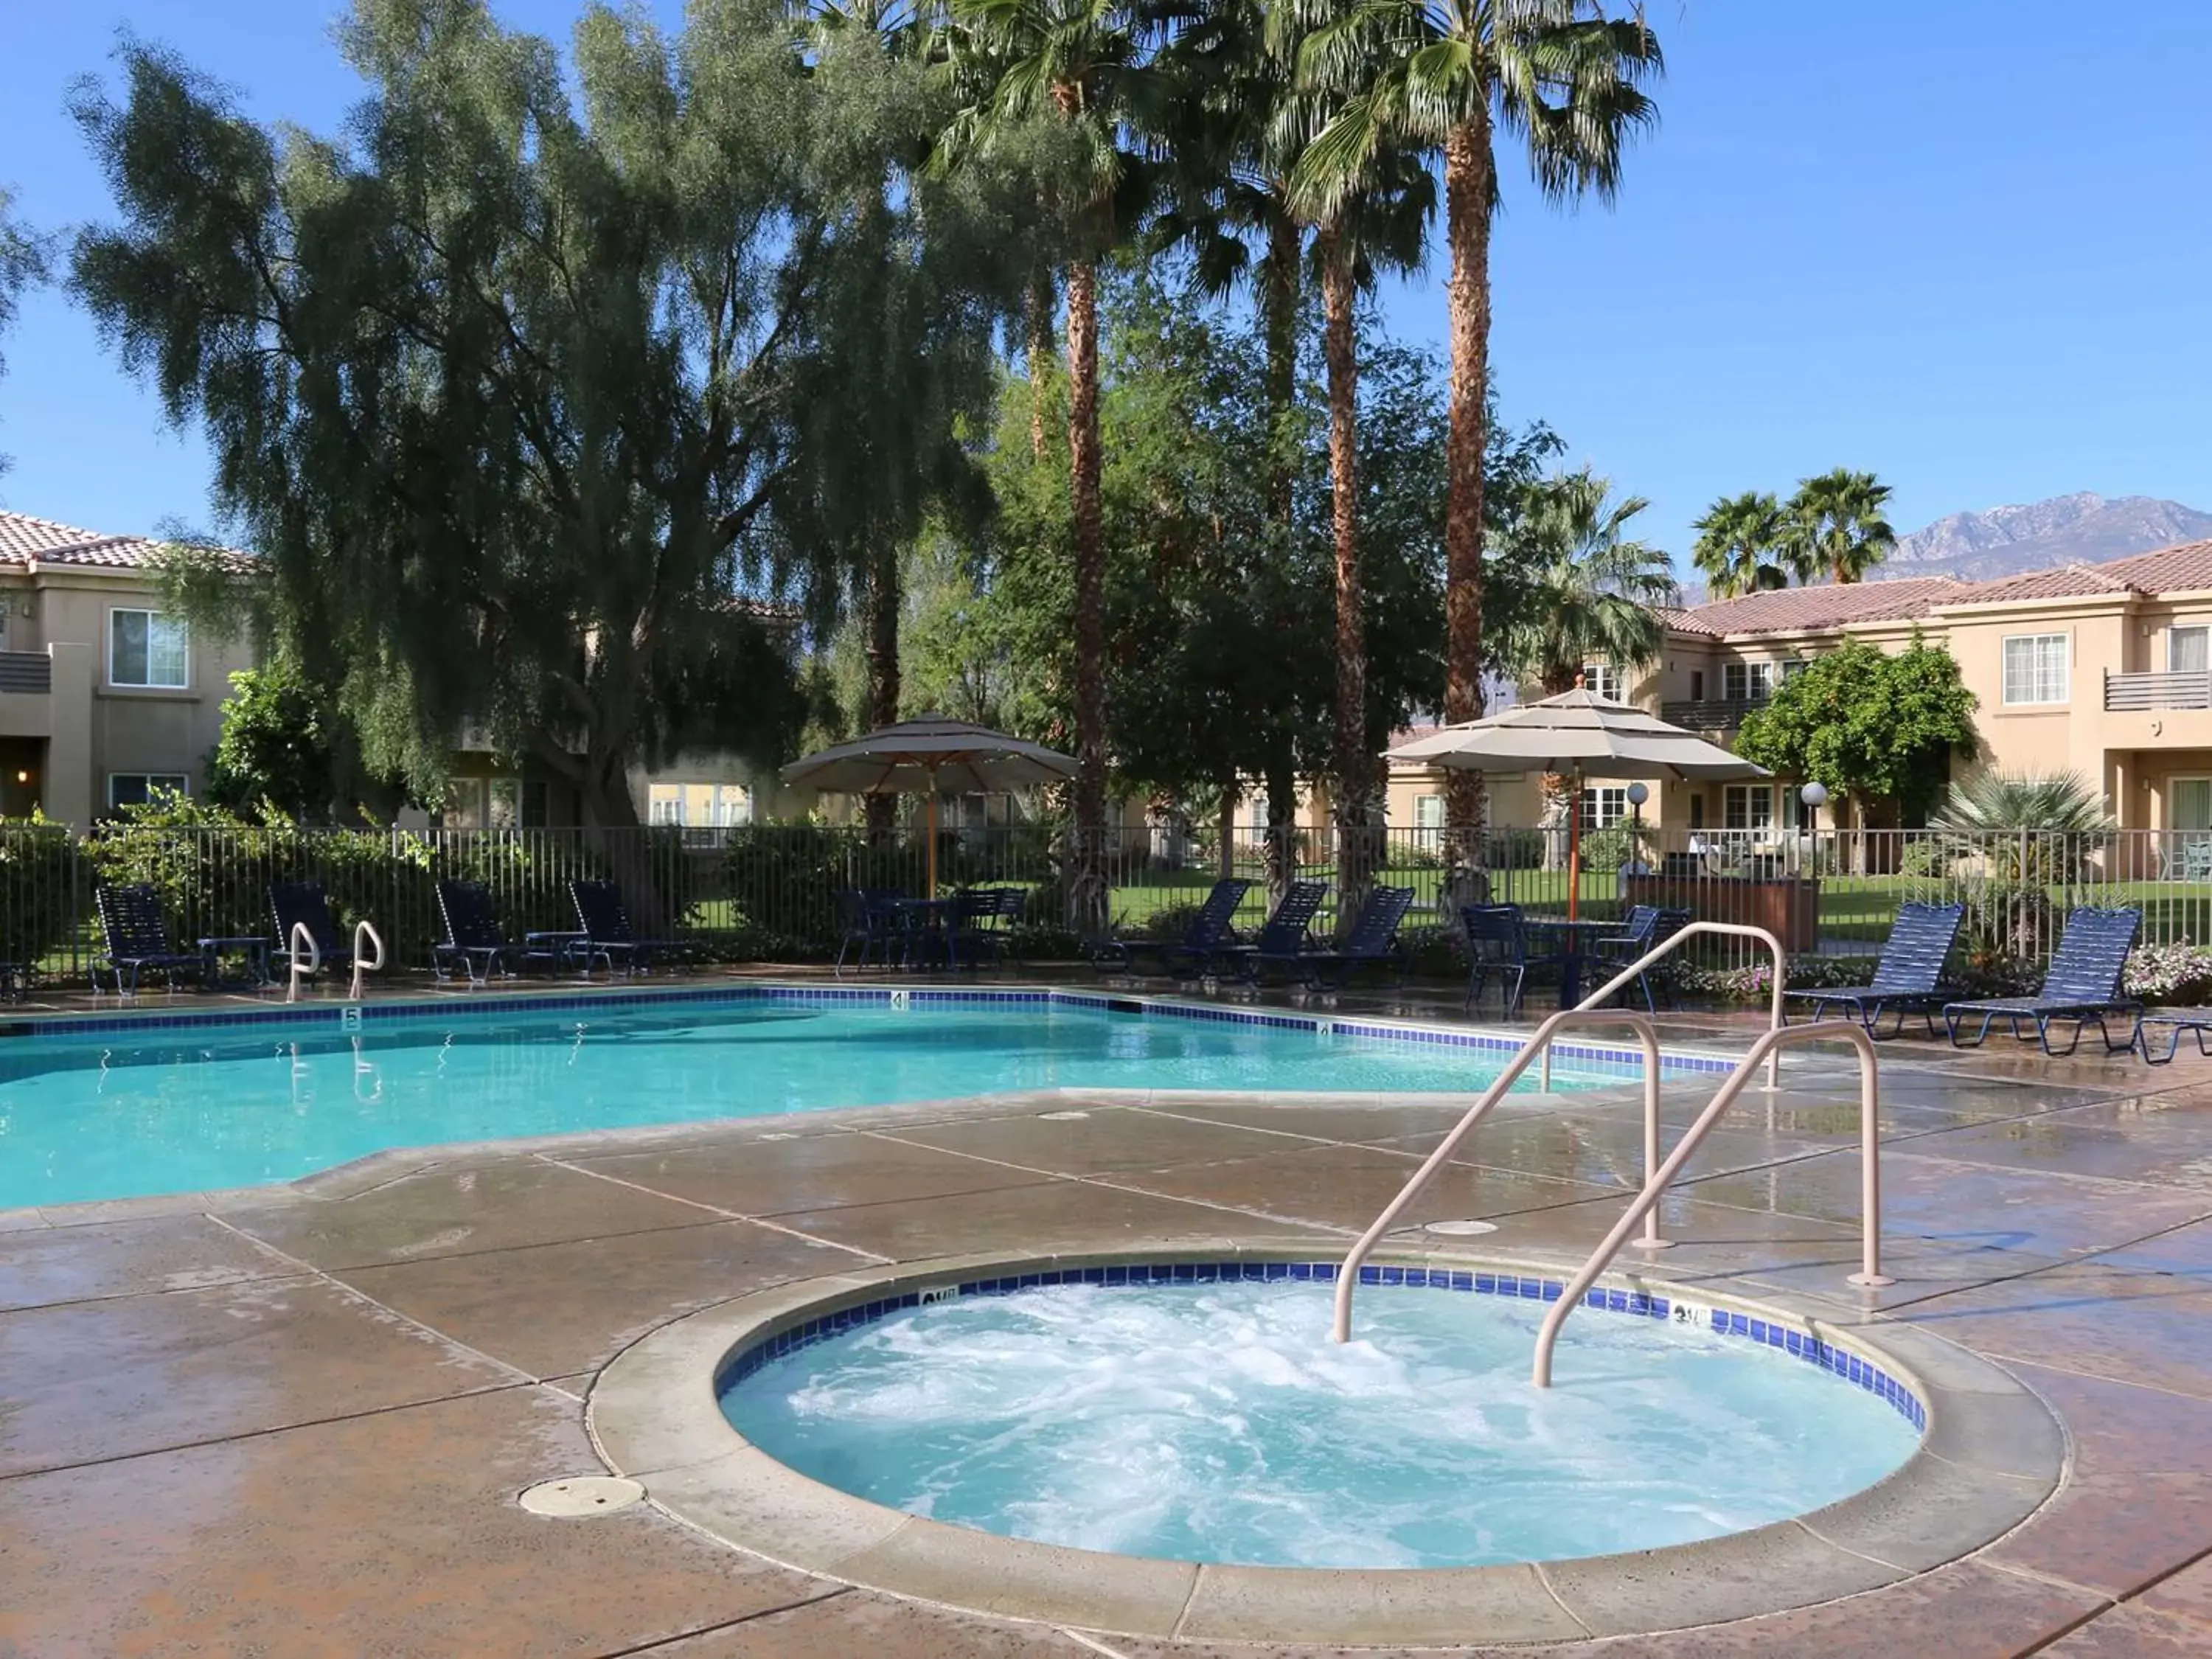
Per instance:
{"type": "Point", "coordinates": [520, 385]}
{"type": "Point", "coordinates": [1564, 78]}
{"type": "Point", "coordinates": [22, 262]}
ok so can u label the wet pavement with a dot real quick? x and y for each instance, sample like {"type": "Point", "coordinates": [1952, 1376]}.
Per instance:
{"type": "Point", "coordinates": [296, 1422]}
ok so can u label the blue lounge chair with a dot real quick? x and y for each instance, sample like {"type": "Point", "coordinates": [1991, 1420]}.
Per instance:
{"type": "Point", "coordinates": [1372, 942]}
{"type": "Point", "coordinates": [1497, 944]}
{"type": "Point", "coordinates": [474, 941]}
{"type": "Point", "coordinates": [608, 936]}
{"type": "Point", "coordinates": [304, 904]}
{"type": "Point", "coordinates": [1283, 935]}
{"type": "Point", "coordinates": [976, 929]}
{"type": "Point", "coordinates": [1905, 977]}
{"type": "Point", "coordinates": [2082, 988]}
{"type": "Point", "coordinates": [137, 940]}
{"type": "Point", "coordinates": [1214, 924]}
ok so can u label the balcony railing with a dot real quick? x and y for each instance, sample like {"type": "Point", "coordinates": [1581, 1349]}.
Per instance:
{"type": "Point", "coordinates": [2125, 692]}
{"type": "Point", "coordinates": [27, 672]}
{"type": "Point", "coordinates": [1709, 713]}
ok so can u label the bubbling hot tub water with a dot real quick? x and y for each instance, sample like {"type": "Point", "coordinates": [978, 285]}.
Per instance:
{"type": "Point", "coordinates": [1217, 1422]}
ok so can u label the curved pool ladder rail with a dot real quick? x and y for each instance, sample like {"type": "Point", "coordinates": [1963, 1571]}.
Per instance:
{"type": "Point", "coordinates": [1348, 1276]}
{"type": "Point", "coordinates": [1655, 1187]}
{"type": "Point", "coordinates": [1586, 1012]}
{"type": "Point", "coordinates": [361, 963]}
{"type": "Point", "coordinates": [302, 931]}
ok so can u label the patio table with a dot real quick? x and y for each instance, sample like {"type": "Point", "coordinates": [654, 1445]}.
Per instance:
{"type": "Point", "coordinates": [252, 948]}
{"type": "Point", "coordinates": [1570, 946]}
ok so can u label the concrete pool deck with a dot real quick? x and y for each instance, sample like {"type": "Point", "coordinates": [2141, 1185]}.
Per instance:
{"type": "Point", "coordinates": [295, 1420]}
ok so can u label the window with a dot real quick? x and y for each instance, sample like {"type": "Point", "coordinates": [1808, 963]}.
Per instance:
{"type": "Point", "coordinates": [482, 803]}
{"type": "Point", "coordinates": [699, 805]}
{"type": "Point", "coordinates": [2189, 803]}
{"type": "Point", "coordinates": [1697, 685]}
{"type": "Point", "coordinates": [136, 788]}
{"type": "Point", "coordinates": [2034, 668]}
{"type": "Point", "coordinates": [1603, 807]}
{"type": "Point", "coordinates": [1602, 679]}
{"type": "Point", "coordinates": [1748, 806]}
{"type": "Point", "coordinates": [1697, 811]}
{"type": "Point", "coordinates": [146, 648]}
{"type": "Point", "coordinates": [1748, 681]}
{"type": "Point", "coordinates": [2187, 652]}
{"type": "Point", "coordinates": [1793, 668]}
{"type": "Point", "coordinates": [1428, 821]}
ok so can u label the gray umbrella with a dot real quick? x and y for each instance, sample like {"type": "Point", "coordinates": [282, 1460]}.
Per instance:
{"type": "Point", "coordinates": [1581, 736]}
{"type": "Point", "coordinates": [930, 753]}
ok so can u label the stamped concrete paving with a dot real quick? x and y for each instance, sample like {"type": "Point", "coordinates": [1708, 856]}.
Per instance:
{"type": "Point", "coordinates": [286, 1422]}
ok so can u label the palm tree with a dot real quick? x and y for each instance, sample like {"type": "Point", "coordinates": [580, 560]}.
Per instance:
{"type": "Point", "coordinates": [1575, 586]}
{"type": "Point", "coordinates": [1836, 525]}
{"type": "Point", "coordinates": [1740, 545]}
{"type": "Point", "coordinates": [1446, 76]}
{"type": "Point", "coordinates": [1085, 67]}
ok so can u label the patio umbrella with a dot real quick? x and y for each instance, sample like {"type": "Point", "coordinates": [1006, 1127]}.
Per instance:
{"type": "Point", "coordinates": [1581, 736]}
{"type": "Point", "coordinates": [931, 753]}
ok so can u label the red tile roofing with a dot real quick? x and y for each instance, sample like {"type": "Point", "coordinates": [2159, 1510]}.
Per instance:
{"type": "Point", "coordinates": [2166, 570]}
{"type": "Point", "coordinates": [24, 538]}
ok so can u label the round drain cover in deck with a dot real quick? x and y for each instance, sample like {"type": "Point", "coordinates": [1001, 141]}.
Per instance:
{"type": "Point", "coordinates": [582, 1494]}
{"type": "Point", "coordinates": [1461, 1228]}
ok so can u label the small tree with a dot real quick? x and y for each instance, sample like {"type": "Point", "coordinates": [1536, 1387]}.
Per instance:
{"type": "Point", "coordinates": [275, 747]}
{"type": "Point", "coordinates": [1879, 728]}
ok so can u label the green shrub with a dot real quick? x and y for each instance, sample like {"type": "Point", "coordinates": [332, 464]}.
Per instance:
{"type": "Point", "coordinates": [43, 892]}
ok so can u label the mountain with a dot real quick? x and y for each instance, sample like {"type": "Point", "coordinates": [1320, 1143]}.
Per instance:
{"type": "Point", "coordinates": [2082, 529]}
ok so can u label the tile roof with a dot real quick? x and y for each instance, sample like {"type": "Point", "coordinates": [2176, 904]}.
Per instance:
{"type": "Point", "coordinates": [2164, 570]}
{"type": "Point", "coordinates": [2182, 568]}
{"type": "Point", "coordinates": [1797, 610]}
{"type": "Point", "coordinates": [24, 538]}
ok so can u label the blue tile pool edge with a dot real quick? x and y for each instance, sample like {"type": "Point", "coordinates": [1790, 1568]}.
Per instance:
{"type": "Point", "coordinates": [1845, 1364]}
{"type": "Point", "coordinates": [1587, 1056]}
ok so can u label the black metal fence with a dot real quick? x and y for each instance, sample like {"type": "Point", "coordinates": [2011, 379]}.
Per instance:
{"type": "Point", "coordinates": [770, 892]}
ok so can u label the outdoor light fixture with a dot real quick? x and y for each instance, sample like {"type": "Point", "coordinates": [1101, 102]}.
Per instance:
{"type": "Point", "coordinates": [22, 777]}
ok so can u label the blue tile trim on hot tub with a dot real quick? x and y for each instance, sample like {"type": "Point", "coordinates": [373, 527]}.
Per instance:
{"type": "Point", "coordinates": [1587, 1058]}
{"type": "Point", "coordinates": [1853, 1368]}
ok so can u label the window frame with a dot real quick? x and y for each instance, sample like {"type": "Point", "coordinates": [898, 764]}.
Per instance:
{"type": "Point", "coordinates": [1598, 676]}
{"type": "Point", "coordinates": [1758, 679]}
{"type": "Point", "coordinates": [2173, 631]}
{"type": "Point", "coordinates": [1732, 793]}
{"type": "Point", "coordinates": [181, 782]}
{"type": "Point", "coordinates": [2173, 818]}
{"type": "Point", "coordinates": [153, 614]}
{"type": "Point", "coordinates": [2035, 669]}
{"type": "Point", "coordinates": [1603, 805]}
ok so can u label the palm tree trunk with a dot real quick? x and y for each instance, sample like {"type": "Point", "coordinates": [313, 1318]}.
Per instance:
{"type": "Point", "coordinates": [1354, 857]}
{"type": "Point", "coordinates": [882, 666]}
{"type": "Point", "coordinates": [1279, 301]}
{"type": "Point", "coordinates": [1040, 356]}
{"type": "Point", "coordinates": [1086, 897]}
{"type": "Point", "coordinates": [1469, 189]}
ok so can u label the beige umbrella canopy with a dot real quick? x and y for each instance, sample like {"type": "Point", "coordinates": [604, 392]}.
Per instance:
{"type": "Point", "coordinates": [1581, 736]}
{"type": "Point", "coordinates": [930, 754]}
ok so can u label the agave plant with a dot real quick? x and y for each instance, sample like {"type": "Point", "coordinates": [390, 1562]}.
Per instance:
{"type": "Point", "coordinates": [2026, 832]}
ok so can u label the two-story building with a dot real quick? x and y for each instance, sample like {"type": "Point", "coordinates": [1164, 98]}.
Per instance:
{"type": "Point", "coordinates": [103, 695]}
{"type": "Point", "coordinates": [2103, 669]}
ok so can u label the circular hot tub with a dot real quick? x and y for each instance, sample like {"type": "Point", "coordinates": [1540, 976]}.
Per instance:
{"type": "Point", "coordinates": [1171, 1445]}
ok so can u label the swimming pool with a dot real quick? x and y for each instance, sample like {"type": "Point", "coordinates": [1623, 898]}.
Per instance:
{"type": "Point", "coordinates": [164, 1105]}
{"type": "Point", "coordinates": [1200, 1412]}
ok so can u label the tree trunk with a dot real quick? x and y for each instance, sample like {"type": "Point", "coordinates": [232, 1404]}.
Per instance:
{"type": "Point", "coordinates": [1280, 778]}
{"type": "Point", "coordinates": [1354, 855]}
{"type": "Point", "coordinates": [1226, 854]}
{"type": "Point", "coordinates": [624, 849]}
{"type": "Point", "coordinates": [1086, 895]}
{"type": "Point", "coordinates": [1279, 304]}
{"type": "Point", "coordinates": [883, 603]}
{"type": "Point", "coordinates": [1469, 192]}
{"type": "Point", "coordinates": [1040, 356]}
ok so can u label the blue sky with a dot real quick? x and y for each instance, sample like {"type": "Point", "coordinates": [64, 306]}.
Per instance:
{"type": "Point", "coordinates": [1963, 243]}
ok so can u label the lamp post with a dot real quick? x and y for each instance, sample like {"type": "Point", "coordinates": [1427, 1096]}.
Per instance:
{"type": "Point", "coordinates": [1637, 794]}
{"type": "Point", "coordinates": [1815, 796]}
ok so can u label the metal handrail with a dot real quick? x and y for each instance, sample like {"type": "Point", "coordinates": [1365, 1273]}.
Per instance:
{"type": "Point", "coordinates": [302, 931]}
{"type": "Point", "coordinates": [1667, 946]}
{"type": "Point", "coordinates": [1655, 1187]}
{"type": "Point", "coordinates": [1348, 1274]}
{"type": "Point", "coordinates": [361, 964]}
{"type": "Point", "coordinates": [1584, 1012]}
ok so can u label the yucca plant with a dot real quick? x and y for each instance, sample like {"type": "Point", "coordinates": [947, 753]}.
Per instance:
{"type": "Point", "coordinates": [2027, 832]}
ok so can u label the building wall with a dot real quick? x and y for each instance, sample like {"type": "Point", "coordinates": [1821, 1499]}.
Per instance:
{"type": "Point", "coordinates": [90, 728]}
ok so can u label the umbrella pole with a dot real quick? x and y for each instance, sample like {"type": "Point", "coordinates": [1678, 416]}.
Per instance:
{"type": "Point", "coordinates": [1575, 844]}
{"type": "Point", "coordinates": [932, 836]}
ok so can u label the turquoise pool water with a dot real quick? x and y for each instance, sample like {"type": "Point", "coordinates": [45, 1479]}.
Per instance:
{"type": "Point", "coordinates": [162, 1111]}
{"type": "Point", "coordinates": [1218, 1423]}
